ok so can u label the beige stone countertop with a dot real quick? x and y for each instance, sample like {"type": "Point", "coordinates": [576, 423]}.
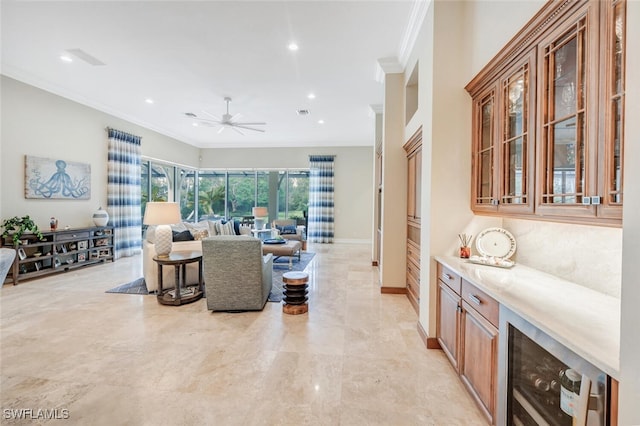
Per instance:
{"type": "Point", "coordinates": [583, 320]}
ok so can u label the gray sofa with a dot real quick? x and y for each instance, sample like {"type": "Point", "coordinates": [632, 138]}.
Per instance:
{"type": "Point", "coordinates": [237, 276]}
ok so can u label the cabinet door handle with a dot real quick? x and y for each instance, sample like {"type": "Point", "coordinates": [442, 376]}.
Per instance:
{"type": "Point", "coordinates": [475, 299]}
{"type": "Point", "coordinates": [447, 276]}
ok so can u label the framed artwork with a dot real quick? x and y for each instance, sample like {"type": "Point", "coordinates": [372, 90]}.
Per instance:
{"type": "Point", "coordinates": [21, 254]}
{"type": "Point", "coordinates": [54, 179]}
{"type": "Point", "coordinates": [105, 253]}
{"type": "Point", "coordinates": [82, 245]}
{"type": "Point", "coordinates": [82, 257]}
{"type": "Point", "coordinates": [56, 263]}
{"type": "Point", "coordinates": [94, 255]}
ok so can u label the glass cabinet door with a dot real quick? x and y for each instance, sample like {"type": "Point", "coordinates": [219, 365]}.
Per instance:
{"type": "Point", "coordinates": [484, 156]}
{"type": "Point", "coordinates": [614, 96]}
{"type": "Point", "coordinates": [567, 172]}
{"type": "Point", "coordinates": [516, 139]}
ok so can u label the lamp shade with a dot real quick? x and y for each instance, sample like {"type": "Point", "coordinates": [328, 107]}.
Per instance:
{"type": "Point", "coordinates": [260, 212]}
{"type": "Point", "coordinates": [161, 213]}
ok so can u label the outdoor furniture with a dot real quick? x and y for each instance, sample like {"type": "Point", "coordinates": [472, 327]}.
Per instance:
{"type": "Point", "coordinates": [288, 248]}
{"type": "Point", "coordinates": [236, 274]}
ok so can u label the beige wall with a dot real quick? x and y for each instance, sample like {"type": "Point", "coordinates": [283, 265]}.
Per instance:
{"type": "Point", "coordinates": [394, 183]}
{"type": "Point", "coordinates": [629, 336]}
{"type": "Point", "coordinates": [353, 172]}
{"type": "Point", "coordinates": [38, 123]}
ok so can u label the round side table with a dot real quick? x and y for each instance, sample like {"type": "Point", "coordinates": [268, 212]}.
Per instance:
{"type": "Point", "coordinates": [182, 293]}
{"type": "Point", "coordinates": [295, 292]}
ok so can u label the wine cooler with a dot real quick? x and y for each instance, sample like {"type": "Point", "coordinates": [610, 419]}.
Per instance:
{"type": "Point", "coordinates": [544, 383]}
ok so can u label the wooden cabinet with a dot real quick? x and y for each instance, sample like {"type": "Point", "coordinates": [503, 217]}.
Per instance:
{"type": "Point", "coordinates": [413, 148]}
{"type": "Point", "coordinates": [467, 330]}
{"type": "Point", "coordinates": [60, 251]}
{"type": "Point", "coordinates": [448, 323]}
{"type": "Point", "coordinates": [548, 117]}
{"type": "Point", "coordinates": [503, 145]}
{"type": "Point", "coordinates": [479, 347]}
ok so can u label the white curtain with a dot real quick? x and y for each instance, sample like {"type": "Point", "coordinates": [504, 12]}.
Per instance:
{"type": "Point", "coordinates": [321, 221]}
{"type": "Point", "coordinates": [124, 195]}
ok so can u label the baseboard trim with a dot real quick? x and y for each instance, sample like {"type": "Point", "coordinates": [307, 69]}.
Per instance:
{"type": "Point", "coordinates": [429, 342]}
{"type": "Point", "coordinates": [393, 290]}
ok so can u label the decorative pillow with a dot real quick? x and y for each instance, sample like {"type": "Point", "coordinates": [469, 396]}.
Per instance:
{"type": "Point", "coordinates": [197, 228]}
{"type": "Point", "coordinates": [236, 226]}
{"type": "Point", "coordinates": [200, 234]}
{"type": "Point", "coordinates": [182, 236]}
{"type": "Point", "coordinates": [178, 227]}
{"type": "Point", "coordinates": [225, 228]}
{"type": "Point", "coordinates": [150, 234]}
{"type": "Point", "coordinates": [287, 229]}
{"type": "Point", "coordinates": [213, 228]}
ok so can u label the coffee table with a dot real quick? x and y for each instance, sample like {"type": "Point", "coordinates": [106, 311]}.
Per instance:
{"type": "Point", "coordinates": [288, 248]}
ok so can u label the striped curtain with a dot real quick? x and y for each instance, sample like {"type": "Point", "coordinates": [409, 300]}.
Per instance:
{"type": "Point", "coordinates": [123, 192]}
{"type": "Point", "coordinates": [321, 199]}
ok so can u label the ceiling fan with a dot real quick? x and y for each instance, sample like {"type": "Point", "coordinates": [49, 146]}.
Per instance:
{"type": "Point", "coordinates": [227, 121]}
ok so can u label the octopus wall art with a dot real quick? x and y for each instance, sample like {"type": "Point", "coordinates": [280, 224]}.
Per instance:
{"type": "Point", "coordinates": [47, 178]}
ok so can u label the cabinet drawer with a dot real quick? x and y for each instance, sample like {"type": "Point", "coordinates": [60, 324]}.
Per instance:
{"type": "Point", "coordinates": [413, 272]}
{"type": "Point", "coordinates": [413, 286]}
{"type": "Point", "coordinates": [485, 305]}
{"type": "Point", "coordinates": [68, 236]}
{"type": "Point", "coordinates": [449, 277]}
{"type": "Point", "coordinates": [413, 254]}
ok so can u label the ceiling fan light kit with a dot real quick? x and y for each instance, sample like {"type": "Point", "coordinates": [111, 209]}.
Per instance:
{"type": "Point", "coordinates": [227, 121]}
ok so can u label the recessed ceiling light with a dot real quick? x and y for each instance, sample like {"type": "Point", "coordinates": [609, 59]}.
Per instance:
{"type": "Point", "coordinates": [311, 96]}
{"type": "Point", "coordinates": [320, 121]}
{"type": "Point", "coordinates": [149, 100]}
{"type": "Point", "coordinates": [293, 46]}
{"type": "Point", "coordinates": [65, 58]}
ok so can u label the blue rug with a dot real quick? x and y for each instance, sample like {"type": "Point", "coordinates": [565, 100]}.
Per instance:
{"type": "Point", "coordinates": [280, 266]}
{"type": "Point", "coordinates": [134, 287]}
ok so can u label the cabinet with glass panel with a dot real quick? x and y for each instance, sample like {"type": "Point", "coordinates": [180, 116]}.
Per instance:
{"type": "Point", "coordinates": [503, 154]}
{"type": "Point", "coordinates": [548, 115]}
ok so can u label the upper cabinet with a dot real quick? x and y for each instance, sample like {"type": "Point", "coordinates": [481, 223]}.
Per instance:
{"type": "Point", "coordinates": [548, 115]}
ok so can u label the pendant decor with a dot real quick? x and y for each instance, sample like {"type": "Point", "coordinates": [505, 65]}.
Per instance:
{"type": "Point", "coordinates": [100, 217]}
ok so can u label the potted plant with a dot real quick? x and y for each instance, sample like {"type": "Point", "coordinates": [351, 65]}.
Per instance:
{"type": "Point", "coordinates": [17, 226]}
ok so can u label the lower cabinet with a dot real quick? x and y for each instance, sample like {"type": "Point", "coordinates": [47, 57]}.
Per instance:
{"type": "Point", "coordinates": [478, 366]}
{"type": "Point", "coordinates": [467, 330]}
{"type": "Point", "coordinates": [448, 324]}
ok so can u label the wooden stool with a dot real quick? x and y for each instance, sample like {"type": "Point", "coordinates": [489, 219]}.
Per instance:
{"type": "Point", "coordinates": [295, 293]}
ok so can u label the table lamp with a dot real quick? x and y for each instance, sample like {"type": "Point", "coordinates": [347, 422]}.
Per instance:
{"type": "Point", "coordinates": [162, 214]}
{"type": "Point", "coordinates": [259, 213]}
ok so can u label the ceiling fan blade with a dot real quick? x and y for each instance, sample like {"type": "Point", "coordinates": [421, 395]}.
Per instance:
{"type": "Point", "coordinates": [250, 124]}
{"type": "Point", "coordinates": [236, 130]}
{"type": "Point", "coordinates": [221, 129]}
{"type": "Point", "coordinates": [210, 115]}
{"type": "Point", "coordinates": [248, 128]}
{"type": "Point", "coordinates": [237, 115]}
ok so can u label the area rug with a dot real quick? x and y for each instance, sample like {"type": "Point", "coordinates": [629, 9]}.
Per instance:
{"type": "Point", "coordinates": [134, 287]}
{"type": "Point", "coordinates": [280, 266]}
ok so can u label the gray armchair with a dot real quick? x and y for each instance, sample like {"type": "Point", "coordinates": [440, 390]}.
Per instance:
{"type": "Point", "coordinates": [7, 256]}
{"type": "Point", "coordinates": [237, 276]}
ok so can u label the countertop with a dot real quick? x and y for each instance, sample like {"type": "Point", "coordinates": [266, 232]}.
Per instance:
{"type": "Point", "coordinates": [583, 320]}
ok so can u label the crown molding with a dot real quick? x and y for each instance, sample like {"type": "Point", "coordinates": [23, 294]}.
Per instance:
{"type": "Point", "coordinates": [416, 18]}
{"type": "Point", "coordinates": [387, 66]}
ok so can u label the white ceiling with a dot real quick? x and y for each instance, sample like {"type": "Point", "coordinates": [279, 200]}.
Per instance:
{"type": "Point", "coordinates": [188, 55]}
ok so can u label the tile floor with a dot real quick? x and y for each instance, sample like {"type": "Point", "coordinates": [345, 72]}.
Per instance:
{"type": "Point", "coordinates": [117, 359]}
